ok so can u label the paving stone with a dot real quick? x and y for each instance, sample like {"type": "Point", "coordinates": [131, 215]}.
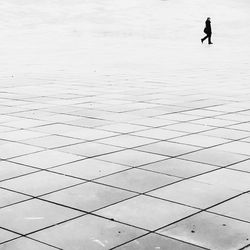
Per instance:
{"type": "Point", "coordinates": [89, 149]}
{"type": "Point", "coordinates": [89, 134]}
{"type": "Point", "coordinates": [52, 141]}
{"type": "Point", "coordinates": [178, 167]}
{"type": "Point", "coordinates": [9, 197]}
{"type": "Point", "coordinates": [188, 127]}
{"type": "Point", "coordinates": [123, 128]}
{"type": "Point", "coordinates": [146, 212]}
{"type": "Point", "coordinates": [215, 157]}
{"type": "Point", "coordinates": [236, 208]}
{"type": "Point", "coordinates": [10, 170]}
{"type": "Point", "coordinates": [210, 231]}
{"type": "Point", "coordinates": [89, 169]}
{"type": "Point", "coordinates": [159, 133]}
{"type": "Point", "coordinates": [227, 178]}
{"type": "Point", "coordinates": [89, 196]}
{"type": "Point", "coordinates": [47, 159]}
{"type": "Point", "coordinates": [131, 158]}
{"type": "Point", "coordinates": [6, 235]}
{"type": "Point", "coordinates": [200, 140]}
{"type": "Point", "coordinates": [154, 241]}
{"type": "Point", "coordinates": [90, 232]}
{"type": "Point", "coordinates": [12, 149]}
{"type": "Point", "coordinates": [168, 148]}
{"type": "Point", "coordinates": [127, 141]}
{"type": "Point", "coordinates": [242, 166]}
{"type": "Point", "coordinates": [19, 135]}
{"type": "Point", "coordinates": [32, 215]}
{"type": "Point", "coordinates": [227, 133]}
{"type": "Point", "coordinates": [39, 183]}
{"type": "Point", "coordinates": [193, 193]}
{"type": "Point", "coordinates": [138, 180]}
{"type": "Point", "coordinates": [236, 147]}
{"type": "Point", "coordinates": [26, 244]}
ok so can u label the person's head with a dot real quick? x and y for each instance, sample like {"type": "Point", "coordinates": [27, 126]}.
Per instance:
{"type": "Point", "coordinates": [208, 18]}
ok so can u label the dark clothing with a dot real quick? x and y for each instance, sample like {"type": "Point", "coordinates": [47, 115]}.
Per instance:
{"type": "Point", "coordinates": [207, 36]}
{"type": "Point", "coordinates": [208, 31]}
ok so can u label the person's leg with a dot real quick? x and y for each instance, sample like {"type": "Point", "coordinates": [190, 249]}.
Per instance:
{"type": "Point", "coordinates": [209, 39]}
{"type": "Point", "coordinates": [204, 38]}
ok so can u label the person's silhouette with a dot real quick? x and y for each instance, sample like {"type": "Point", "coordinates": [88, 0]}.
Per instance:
{"type": "Point", "coordinates": [208, 31]}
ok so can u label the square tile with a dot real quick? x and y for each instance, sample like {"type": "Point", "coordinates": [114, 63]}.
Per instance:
{"type": "Point", "coordinates": [179, 168]}
{"type": "Point", "coordinates": [215, 157]}
{"type": "Point", "coordinates": [6, 235]}
{"type": "Point", "coordinates": [179, 117]}
{"type": "Point", "coordinates": [88, 122]}
{"type": "Point", "coordinates": [90, 232]}
{"type": "Point", "coordinates": [89, 149]}
{"type": "Point", "coordinates": [234, 117]}
{"type": "Point", "coordinates": [47, 159]}
{"type": "Point", "coordinates": [214, 122]}
{"type": "Point", "coordinates": [19, 135]}
{"type": "Point", "coordinates": [10, 170]}
{"type": "Point", "coordinates": [203, 112]}
{"type": "Point", "coordinates": [242, 166]}
{"type": "Point", "coordinates": [138, 180]}
{"type": "Point", "coordinates": [9, 197]}
{"type": "Point", "coordinates": [7, 118]}
{"type": "Point", "coordinates": [33, 215]}
{"type": "Point", "coordinates": [225, 133]}
{"type": "Point", "coordinates": [168, 148]}
{"type": "Point", "coordinates": [12, 149]}
{"type": "Point", "coordinates": [24, 243]}
{"type": "Point", "coordinates": [194, 193]}
{"type": "Point", "coordinates": [89, 169]}
{"type": "Point", "coordinates": [52, 141]}
{"type": "Point", "coordinates": [127, 141]}
{"type": "Point", "coordinates": [228, 178]}
{"type": "Point", "coordinates": [88, 196]}
{"type": "Point", "coordinates": [89, 134]}
{"type": "Point", "coordinates": [159, 134]}
{"type": "Point", "coordinates": [146, 212]}
{"type": "Point", "coordinates": [236, 147]}
{"type": "Point", "coordinates": [55, 128]}
{"type": "Point", "coordinates": [122, 128]}
{"type": "Point", "coordinates": [23, 123]}
{"type": "Point", "coordinates": [210, 231]}
{"type": "Point", "coordinates": [242, 126]}
{"type": "Point", "coordinates": [5, 129]}
{"type": "Point", "coordinates": [246, 140]}
{"type": "Point", "coordinates": [187, 127]}
{"type": "Point", "coordinates": [236, 208]}
{"type": "Point", "coordinates": [200, 140]}
{"type": "Point", "coordinates": [155, 241]}
{"type": "Point", "coordinates": [152, 122]}
{"type": "Point", "coordinates": [39, 183]}
{"type": "Point", "coordinates": [131, 158]}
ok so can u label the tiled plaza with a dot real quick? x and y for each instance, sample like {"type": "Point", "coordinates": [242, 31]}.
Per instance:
{"type": "Point", "coordinates": [115, 134]}
{"type": "Point", "coordinates": [124, 166]}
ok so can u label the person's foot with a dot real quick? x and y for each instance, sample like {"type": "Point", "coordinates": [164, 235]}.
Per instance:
{"type": "Point", "coordinates": [210, 43]}
{"type": "Point", "coordinates": [201, 40]}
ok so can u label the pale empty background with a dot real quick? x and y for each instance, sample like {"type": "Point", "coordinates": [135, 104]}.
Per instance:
{"type": "Point", "coordinates": [141, 37]}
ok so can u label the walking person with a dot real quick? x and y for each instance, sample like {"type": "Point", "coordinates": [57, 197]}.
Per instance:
{"type": "Point", "coordinates": [208, 31]}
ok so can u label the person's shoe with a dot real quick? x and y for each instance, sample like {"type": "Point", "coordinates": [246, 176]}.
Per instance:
{"type": "Point", "coordinates": [202, 41]}
{"type": "Point", "coordinates": [210, 43]}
